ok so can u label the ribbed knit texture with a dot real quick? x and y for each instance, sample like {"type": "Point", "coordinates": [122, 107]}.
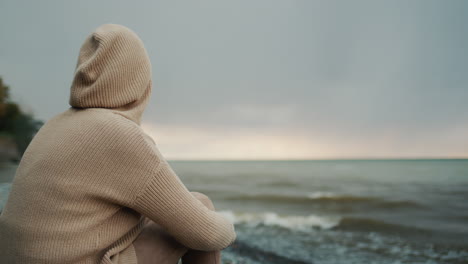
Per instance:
{"type": "Point", "coordinates": [91, 174]}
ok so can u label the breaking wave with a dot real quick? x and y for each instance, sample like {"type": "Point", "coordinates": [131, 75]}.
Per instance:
{"type": "Point", "coordinates": [308, 222]}
{"type": "Point", "coordinates": [292, 222]}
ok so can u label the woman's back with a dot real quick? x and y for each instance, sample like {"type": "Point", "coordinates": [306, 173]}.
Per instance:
{"type": "Point", "coordinates": [60, 206]}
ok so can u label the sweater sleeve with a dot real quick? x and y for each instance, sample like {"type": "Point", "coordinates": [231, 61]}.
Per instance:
{"type": "Point", "coordinates": [167, 201]}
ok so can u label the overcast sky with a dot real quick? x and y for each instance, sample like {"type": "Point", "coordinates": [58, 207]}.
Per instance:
{"type": "Point", "coordinates": [261, 79]}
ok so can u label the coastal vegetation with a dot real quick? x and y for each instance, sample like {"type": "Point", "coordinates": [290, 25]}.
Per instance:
{"type": "Point", "coordinates": [17, 127]}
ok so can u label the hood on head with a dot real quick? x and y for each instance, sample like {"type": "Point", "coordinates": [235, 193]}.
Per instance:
{"type": "Point", "coordinates": [113, 71]}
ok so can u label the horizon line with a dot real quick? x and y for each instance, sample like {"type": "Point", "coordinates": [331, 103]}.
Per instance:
{"type": "Point", "coordinates": [330, 159]}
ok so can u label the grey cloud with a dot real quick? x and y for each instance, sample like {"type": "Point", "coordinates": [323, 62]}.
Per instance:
{"type": "Point", "coordinates": [350, 69]}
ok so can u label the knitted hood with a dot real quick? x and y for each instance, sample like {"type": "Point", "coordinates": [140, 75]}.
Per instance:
{"type": "Point", "coordinates": [113, 71]}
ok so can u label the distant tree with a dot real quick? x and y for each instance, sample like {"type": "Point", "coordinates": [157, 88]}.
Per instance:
{"type": "Point", "coordinates": [14, 122]}
{"type": "Point", "coordinates": [4, 94]}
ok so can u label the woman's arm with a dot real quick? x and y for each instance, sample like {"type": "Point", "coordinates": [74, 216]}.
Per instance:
{"type": "Point", "coordinates": [167, 201]}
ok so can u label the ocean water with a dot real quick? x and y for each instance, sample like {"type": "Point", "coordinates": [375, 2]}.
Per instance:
{"type": "Point", "coordinates": [363, 211]}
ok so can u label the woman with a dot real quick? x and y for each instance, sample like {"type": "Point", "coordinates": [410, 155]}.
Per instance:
{"type": "Point", "coordinates": [92, 187]}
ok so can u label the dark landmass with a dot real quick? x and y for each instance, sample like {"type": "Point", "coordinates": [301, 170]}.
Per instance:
{"type": "Point", "coordinates": [17, 128]}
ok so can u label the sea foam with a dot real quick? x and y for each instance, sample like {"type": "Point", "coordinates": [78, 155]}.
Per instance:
{"type": "Point", "coordinates": [293, 222]}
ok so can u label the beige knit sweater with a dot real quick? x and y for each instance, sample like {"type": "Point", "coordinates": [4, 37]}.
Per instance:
{"type": "Point", "coordinates": [90, 174]}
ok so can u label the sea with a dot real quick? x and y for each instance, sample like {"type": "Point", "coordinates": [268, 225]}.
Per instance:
{"type": "Point", "coordinates": [333, 211]}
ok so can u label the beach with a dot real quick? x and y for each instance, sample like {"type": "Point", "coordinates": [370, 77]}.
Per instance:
{"type": "Point", "coordinates": [334, 211]}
